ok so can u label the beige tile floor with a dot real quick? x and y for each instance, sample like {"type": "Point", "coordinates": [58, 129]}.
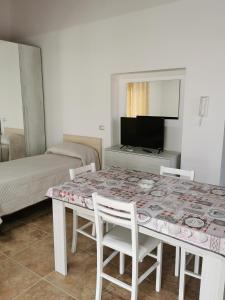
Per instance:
{"type": "Point", "coordinates": [27, 272]}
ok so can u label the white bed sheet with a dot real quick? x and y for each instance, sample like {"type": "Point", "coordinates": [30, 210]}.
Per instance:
{"type": "Point", "coordinates": [24, 182]}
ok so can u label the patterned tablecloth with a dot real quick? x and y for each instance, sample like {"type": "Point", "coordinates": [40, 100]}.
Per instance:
{"type": "Point", "coordinates": [189, 211]}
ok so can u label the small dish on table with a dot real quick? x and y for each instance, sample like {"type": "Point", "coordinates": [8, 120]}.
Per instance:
{"type": "Point", "coordinates": [146, 183]}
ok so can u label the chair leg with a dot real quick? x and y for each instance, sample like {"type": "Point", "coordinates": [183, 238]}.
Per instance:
{"type": "Point", "coordinates": [122, 263]}
{"type": "Point", "coordinates": [177, 261]}
{"type": "Point", "coordinates": [159, 268]}
{"type": "Point", "coordinates": [98, 295]}
{"type": "Point", "coordinates": [107, 227]}
{"type": "Point", "coordinates": [93, 232]}
{"type": "Point", "coordinates": [134, 291]}
{"type": "Point", "coordinates": [74, 238]}
{"type": "Point", "coordinates": [197, 263]}
{"type": "Point", "coordinates": [182, 274]}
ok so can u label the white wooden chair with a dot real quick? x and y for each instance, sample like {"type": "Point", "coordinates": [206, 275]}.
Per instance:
{"type": "Point", "coordinates": [123, 238]}
{"type": "Point", "coordinates": [183, 272]}
{"type": "Point", "coordinates": [81, 230]}
{"type": "Point", "coordinates": [183, 174]}
{"type": "Point", "coordinates": [179, 267]}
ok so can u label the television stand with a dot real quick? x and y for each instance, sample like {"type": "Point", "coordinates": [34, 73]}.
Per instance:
{"type": "Point", "coordinates": [123, 146]}
{"type": "Point", "coordinates": [154, 151]}
{"type": "Point", "coordinates": [137, 158]}
{"type": "Point", "coordinates": [147, 150]}
{"type": "Point", "coordinates": [127, 147]}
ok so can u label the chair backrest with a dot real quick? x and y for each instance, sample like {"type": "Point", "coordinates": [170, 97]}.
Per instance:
{"type": "Point", "coordinates": [115, 212]}
{"type": "Point", "coordinates": [84, 169]}
{"type": "Point", "coordinates": [185, 174]}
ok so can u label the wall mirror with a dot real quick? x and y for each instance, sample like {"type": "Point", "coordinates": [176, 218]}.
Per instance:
{"type": "Point", "coordinates": [153, 98]}
{"type": "Point", "coordinates": [22, 128]}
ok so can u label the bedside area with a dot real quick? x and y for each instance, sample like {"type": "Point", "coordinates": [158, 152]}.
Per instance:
{"type": "Point", "coordinates": [138, 159]}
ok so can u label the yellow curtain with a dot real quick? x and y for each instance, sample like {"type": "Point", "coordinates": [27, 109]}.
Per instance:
{"type": "Point", "coordinates": [137, 99]}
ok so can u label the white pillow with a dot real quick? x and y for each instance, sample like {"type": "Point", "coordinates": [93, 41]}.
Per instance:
{"type": "Point", "coordinates": [87, 154]}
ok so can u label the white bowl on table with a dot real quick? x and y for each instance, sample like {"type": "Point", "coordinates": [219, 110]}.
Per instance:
{"type": "Point", "coordinates": [146, 183]}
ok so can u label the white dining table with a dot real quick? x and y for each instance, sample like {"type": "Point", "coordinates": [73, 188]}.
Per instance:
{"type": "Point", "coordinates": [190, 215]}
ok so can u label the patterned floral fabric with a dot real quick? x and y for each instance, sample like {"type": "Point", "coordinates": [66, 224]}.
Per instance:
{"type": "Point", "coordinates": [190, 211]}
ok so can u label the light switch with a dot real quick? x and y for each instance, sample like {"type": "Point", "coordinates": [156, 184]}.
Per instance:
{"type": "Point", "coordinates": [101, 127]}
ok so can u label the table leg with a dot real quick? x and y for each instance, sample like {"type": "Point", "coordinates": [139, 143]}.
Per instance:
{"type": "Point", "coordinates": [212, 278]}
{"type": "Point", "coordinates": [59, 231]}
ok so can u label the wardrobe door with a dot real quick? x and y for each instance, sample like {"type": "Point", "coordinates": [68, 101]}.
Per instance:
{"type": "Point", "coordinates": [12, 145]}
{"type": "Point", "coordinates": [11, 107]}
{"type": "Point", "coordinates": [32, 97]}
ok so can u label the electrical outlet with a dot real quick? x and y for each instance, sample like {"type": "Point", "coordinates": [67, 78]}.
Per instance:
{"type": "Point", "coordinates": [101, 127]}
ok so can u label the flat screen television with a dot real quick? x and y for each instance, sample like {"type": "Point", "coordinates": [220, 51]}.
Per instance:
{"type": "Point", "coordinates": [143, 131]}
{"type": "Point", "coordinates": [128, 131]}
{"type": "Point", "coordinates": [150, 132]}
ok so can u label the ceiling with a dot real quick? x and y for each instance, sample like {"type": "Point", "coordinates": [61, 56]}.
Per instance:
{"type": "Point", "coordinates": [21, 18]}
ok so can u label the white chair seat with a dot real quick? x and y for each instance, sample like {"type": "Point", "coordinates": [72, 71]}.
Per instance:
{"type": "Point", "coordinates": [119, 238]}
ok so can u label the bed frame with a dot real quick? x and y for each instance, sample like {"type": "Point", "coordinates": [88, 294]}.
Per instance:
{"type": "Point", "coordinates": [93, 142]}
{"type": "Point", "coordinates": [9, 130]}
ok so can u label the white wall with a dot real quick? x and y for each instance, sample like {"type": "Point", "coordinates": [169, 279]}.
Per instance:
{"type": "Point", "coordinates": [222, 174]}
{"type": "Point", "coordinates": [11, 107]}
{"type": "Point", "coordinates": [78, 63]}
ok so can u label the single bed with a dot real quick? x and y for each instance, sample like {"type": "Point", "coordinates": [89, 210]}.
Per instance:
{"type": "Point", "coordinates": [24, 182]}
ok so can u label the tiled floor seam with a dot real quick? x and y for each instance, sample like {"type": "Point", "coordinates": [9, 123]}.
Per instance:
{"type": "Point", "coordinates": [20, 251]}
{"type": "Point", "coordinates": [59, 288]}
{"type": "Point", "coordinates": [26, 290]}
{"type": "Point", "coordinates": [27, 246]}
{"type": "Point", "coordinates": [5, 255]}
{"type": "Point", "coordinates": [30, 244]}
{"type": "Point", "coordinates": [40, 228]}
{"type": "Point", "coordinates": [21, 265]}
{"type": "Point", "coordinates": [35, 243]}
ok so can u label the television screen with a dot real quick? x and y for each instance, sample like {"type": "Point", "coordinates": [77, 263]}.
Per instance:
{"type": "Point", "coordinates": [129, 131]}
{"type": "Point", "coordinates": [150, 132]}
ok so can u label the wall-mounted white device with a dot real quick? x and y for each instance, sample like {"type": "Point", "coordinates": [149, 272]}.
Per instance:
{"type": "Point", "coordinates": [3, 124]}
{"type": "Point", "coordinates": [203, 108]}
{"type": "Point", "coordinates": [101, 127]}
